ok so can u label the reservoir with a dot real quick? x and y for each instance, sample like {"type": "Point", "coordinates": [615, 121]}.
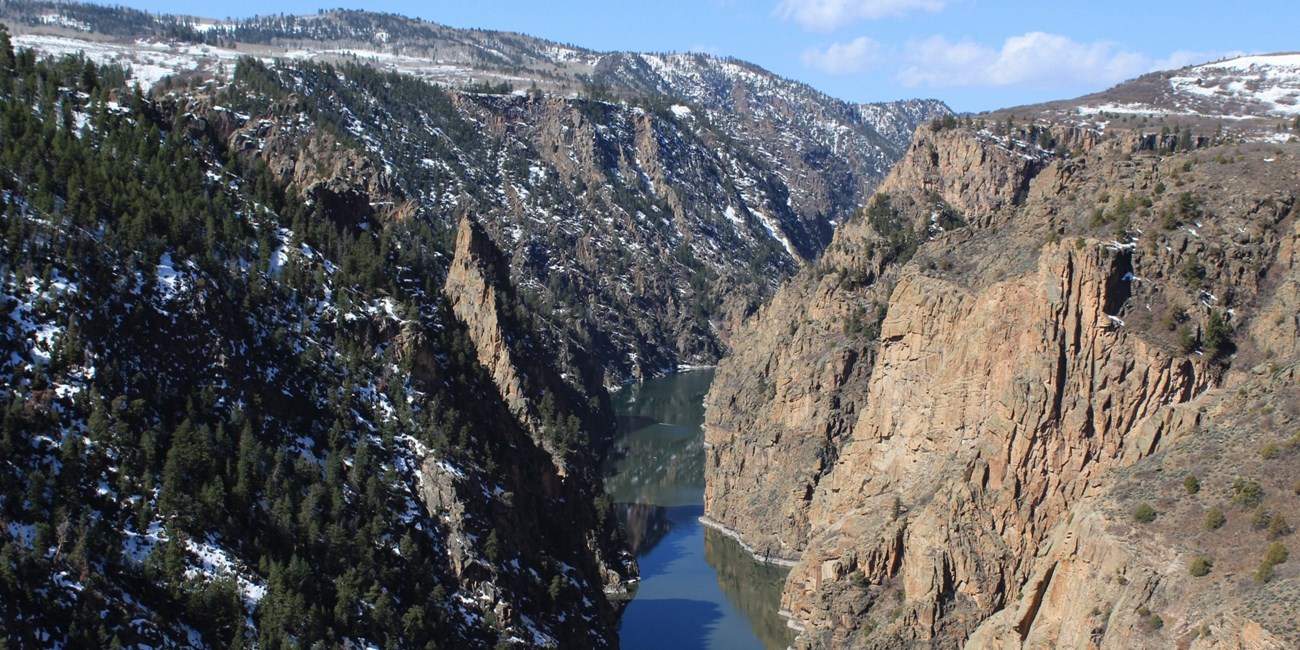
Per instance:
{"type": "Point", "coordinates": [699, 588]}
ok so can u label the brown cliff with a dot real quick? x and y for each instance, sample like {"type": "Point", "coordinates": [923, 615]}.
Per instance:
{"type": "Point", "coordinates": [472, 290]}
{"type": "Point", "coordinates": [1044, 313]}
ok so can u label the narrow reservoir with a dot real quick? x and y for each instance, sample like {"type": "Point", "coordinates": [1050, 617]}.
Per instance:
{"type": "Point", "coordinates": [699, 588]}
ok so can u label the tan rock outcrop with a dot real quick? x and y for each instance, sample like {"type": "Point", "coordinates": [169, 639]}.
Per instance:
{"type": "Point", "coordinates": [1276, 329]}
{"type": "Point", "coordinates": [1102, 579]}
{"type": "Point", "coordinates": [989, 415]}
{"type": "Point", "coordinates": [785, 399]}
{"type": "Point", "coordinates": [973, 490]}
{"type": "Point", "coordinates": [771, 434]}
{"type": "Point", "coordinates": [472, 291]}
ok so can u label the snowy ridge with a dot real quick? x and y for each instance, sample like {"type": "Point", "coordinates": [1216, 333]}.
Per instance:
{"type": "Point", "coordinates": [148, 60]}
{"type": "Point", "coordinates": [1268, 83]}
{"type": "Point", "coordinates": [1248, 92]}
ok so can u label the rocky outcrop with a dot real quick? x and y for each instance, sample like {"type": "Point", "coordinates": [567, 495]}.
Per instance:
{"type": "Point", "coordinates": [984, 424]}
{"type": "Point", "coordinates": [472, 290]}
{"type": "Point", "coordinates": [550, 407]}
{"type": "Point", "coordinates": [339, 182]}
{"type": "Point", "coordinates": [550, 389]}
{"type": "Point", "coordinates": [1042, 315]}
{"type": "Point", "coordinates": [785, 399]}
{"type": "Point", "coordinates": [1276, 329]}
{"type": "Point", "coordinates": [1103, 579]}
{"type": "Point", "coordinates": [515, 562]}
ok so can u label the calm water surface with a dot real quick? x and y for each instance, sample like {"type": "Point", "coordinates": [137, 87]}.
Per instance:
{"type": "Point", "coordinates": [699, 589]}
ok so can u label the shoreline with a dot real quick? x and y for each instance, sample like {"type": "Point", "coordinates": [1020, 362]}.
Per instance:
{"type": "Point", "coordinates": [769, 560]}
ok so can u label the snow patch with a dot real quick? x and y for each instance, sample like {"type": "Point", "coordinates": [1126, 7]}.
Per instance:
{"type": "Point", "coordinates": [730, 214]}
{"type": "Point", "coordinates": [776, 233]}
{"type": "Point", "coordinates": [170, 280]}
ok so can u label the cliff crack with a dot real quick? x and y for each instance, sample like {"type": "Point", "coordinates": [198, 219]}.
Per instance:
{"type": "Point", "coordinates": [1036, 602]}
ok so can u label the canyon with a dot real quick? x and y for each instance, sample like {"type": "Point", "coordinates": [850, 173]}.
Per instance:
{"type": "Point", "coordinates": [314, 323]}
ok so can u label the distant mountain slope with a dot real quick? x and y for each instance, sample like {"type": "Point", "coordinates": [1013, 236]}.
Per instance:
{"type": "Point", "coordinates": [1266, 85]}
{"type": "Point", "coordinates": [649, 202]}
{"type": "Point", "coordinates": [1257, 97]}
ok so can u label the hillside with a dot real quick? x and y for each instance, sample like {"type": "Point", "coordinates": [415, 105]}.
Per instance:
{"type": "Point", "coordinates": [236, 411]}
{"type": "Point", "coordinates": [1257, 97]}
{"type": "Point", "coordinates": [972, 423]}
{"type": "Point", "coordinates": [646, 203]}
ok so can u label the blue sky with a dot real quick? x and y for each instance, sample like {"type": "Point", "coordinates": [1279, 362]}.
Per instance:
{"type": "Point", "coordinates": [973, 54]}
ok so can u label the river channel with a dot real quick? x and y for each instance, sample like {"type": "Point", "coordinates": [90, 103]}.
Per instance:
{"type": "Point", "coordinates": [699, 588]}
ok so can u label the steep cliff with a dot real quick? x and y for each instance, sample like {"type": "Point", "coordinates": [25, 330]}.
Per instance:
{"type": "Point", "coordinates": [566, 412]}
{"type": "Point", "coordinates": [1024, 310]}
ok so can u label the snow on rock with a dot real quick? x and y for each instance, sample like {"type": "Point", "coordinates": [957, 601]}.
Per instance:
{"type": "Point", "coordinates": [170, 280]}
{"type": "Point", "coordinates": [214, 562]}
{"type": "Point", "coordinates": [1269, 82]}
{"type": "Point", "coordinates": [28, 320]}
{"type": "Point", "coordinates": [149, 61]}
{"type": "Point", "coordinates": [776, 233]}
{"type": "Point", "coordinates": [136, 546]}
{"type": "Point", "coordinates": [24, 534]}
{"type": "Point", "coordinates": [65, 21]}
{"type": "Point", "coordinates": [731, 216]}
{"type": "Point", "coordinates": [1246, 92]}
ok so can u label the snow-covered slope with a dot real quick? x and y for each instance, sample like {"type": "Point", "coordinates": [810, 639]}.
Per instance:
{"type": "Point", "coordinates": [1252, 97]}
{"type": "Point", "coordinates": [149, 60]}
{"type": "Point", "coordinates": [1264, 85]}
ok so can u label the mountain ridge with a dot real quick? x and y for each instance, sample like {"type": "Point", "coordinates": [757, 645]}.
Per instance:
{"type": "Point", "coordinates": [758, 163]}
{"type": "Point", "coordinates": [771, 164]}
{"type": "Point", "coordinates": [1256, 96]}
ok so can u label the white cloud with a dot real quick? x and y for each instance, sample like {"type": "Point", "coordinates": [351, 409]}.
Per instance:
{"type": "Point", "coordinates": [859, 55]}
{"type": "Point", "coordinates": [1032, 60]}
{"type": "Point", "coordinates": [829, 15]}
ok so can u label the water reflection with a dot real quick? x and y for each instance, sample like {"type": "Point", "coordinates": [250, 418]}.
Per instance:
{"type": "Point", "coordinates": [699, 589]}
{"type": "Point", "coordinates": [754, 588]}
{"type": "Point", "coordinates": [662, 464]}
{"type": "Point", "coordinates": [646, 525]}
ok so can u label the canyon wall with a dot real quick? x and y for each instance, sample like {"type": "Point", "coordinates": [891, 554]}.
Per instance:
{"type": "Point", "coordinates": [936, 420]}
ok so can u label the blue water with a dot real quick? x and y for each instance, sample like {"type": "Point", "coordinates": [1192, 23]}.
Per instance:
{"type": "Point", "coordinates": [698, 588]}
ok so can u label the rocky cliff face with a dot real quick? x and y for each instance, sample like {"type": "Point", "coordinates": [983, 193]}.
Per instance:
{"type": "Point", "coordinates": [961, 384]}
{"type": "Point", "coordinates": [780, 407]}
{"type": "Point", "coordinates": [523, 363]}
{"type": "Point", "coordinates": [1101, 579]}
{"type": "Point", "coordinates": [984, 424]}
